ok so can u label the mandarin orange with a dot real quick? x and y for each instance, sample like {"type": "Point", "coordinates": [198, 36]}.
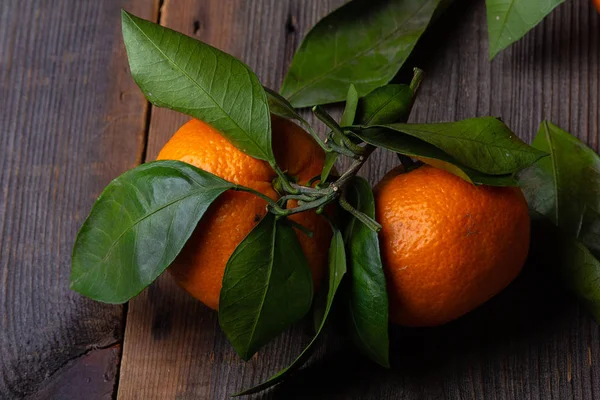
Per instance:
{"type": "Point", "coordinates": [200, 266]}
{"type": "Point", "coordinates": [447, 245]}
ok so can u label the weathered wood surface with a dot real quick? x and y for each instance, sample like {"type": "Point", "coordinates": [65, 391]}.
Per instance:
{"type": "Point", "coordinates": [173, 346]}
{"type": "Point", "coordinates": [71, 119]}
{"type": "Point", "coordinates": [529, 343]}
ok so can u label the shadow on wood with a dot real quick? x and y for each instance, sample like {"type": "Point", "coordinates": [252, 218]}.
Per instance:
{"type": "Point", "coordinates": [528, 311]}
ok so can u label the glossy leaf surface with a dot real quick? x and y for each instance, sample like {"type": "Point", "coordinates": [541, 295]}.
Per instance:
{"type": "Point", "coordinates": [137, 226]}
{"type": "Point", "coordinates": [429, 154]}
{"type": "Point", "coordinates": [509, 20]}
{"type": "Point", "coordinates": [364, 42]}
{"type": "Point", "coordinates": [368, 295]}
{"type": "Point", "coordinates": [183, 74]}
{"type": "Point", "coordinates": [337, 269]}
{"type": "Point", "coordinates": [484, 144]}
{"type": "Point", "coordinates": [267, 286]}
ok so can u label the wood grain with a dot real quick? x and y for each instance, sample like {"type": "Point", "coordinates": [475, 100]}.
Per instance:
{"type": "Point", "coordinates": [71, 119]}
{"type": "Point", "coordinates": [531, 342]}
{"type": "Point", "coordinates": [89, 376]}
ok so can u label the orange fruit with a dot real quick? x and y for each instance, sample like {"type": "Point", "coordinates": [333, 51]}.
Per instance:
{"type": "Point", "coordinates": [597, 4]}
{"type": "Point", "coordinates": [447, 246]}
{"type": "Point", "coordinates": [200, 266]}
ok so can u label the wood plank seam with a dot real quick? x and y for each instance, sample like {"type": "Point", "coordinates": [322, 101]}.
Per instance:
{"type": "Point", "coordinates": [142, 160]}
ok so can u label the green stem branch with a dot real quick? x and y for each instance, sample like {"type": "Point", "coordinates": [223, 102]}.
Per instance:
{"type": "Point", "coordinates": [342, 150]}
{"type": "Point", "coordinates": [354, 168]}
{"type": "Point", "coordinates": [306, 206]}
{"type": "Point", "coordinates": [314, 135]}
{"type": "Point", "coordinates": [311, 190]}
{"type": "Point", "coordinates": [415, 83]}
{"type": "Point", "coordinates": [272, 204]}
{"type": "Point", "coordinates": [362, 217]}
{"type": "Point", "coordinates": [285, 183]}
{"type": "Point", "coordinates": [318, 197]}
{"type": "Point", "coordinates": [301, 197]}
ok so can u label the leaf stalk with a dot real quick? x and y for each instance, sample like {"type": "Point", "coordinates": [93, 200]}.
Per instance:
{"type": "Point", "coordinates": [362, 217]}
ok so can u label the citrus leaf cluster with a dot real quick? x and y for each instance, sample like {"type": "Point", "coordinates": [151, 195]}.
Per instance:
{"type": "Point", "coordinates": [143, 219]}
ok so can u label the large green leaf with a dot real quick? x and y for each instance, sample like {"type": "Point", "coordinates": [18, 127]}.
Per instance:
{"type": "Point", "coordinates": [364, 42]}
{"type": "Point", "coordinates": [566, 184]}
{"type": "Point", "coordinates": [565, 189]}
{"type": "Point", "coordinates": [183, 74]}
{"type": "Point", "coordinates": [416, 148]}
{"type": "Point", "coordinates": [385, 105]}
{"type": "Point", "coordinates": [509, 20]}
{"type": "Point", "coordinates": [368, 295]}
{"type": "Point", "coordinates": [484, 144]}
{"type": "Point", "coordinates": [137, 226]}
{"type": "Point", "coordinates": [266, 287]}
{"type": "Point", "coordinates": [392, 103]}
{"type": "Point", "coordinates": [337, 269]}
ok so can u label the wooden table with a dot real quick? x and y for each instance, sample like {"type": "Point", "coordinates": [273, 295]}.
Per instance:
{"type": "Point", "coordinates": [71, 119]}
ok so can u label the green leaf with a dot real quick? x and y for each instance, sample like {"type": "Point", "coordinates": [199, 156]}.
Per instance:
{"type": "Point", "coordinates": [267, 286]}
{"type": "Point", "coordinates": [571, 261]}
{"type": "Point", "coordinates": [509, 20]}
{"type": "Point", "coordinates": [429, 154]}
{"type": "Point", "coordinates": [350, 107]}
{"type": "Point", "coordinates": [589, 233]}
{"type": "Point", "coordinates": [183, 74]}
{"type": "Point", "coordinates": [565, 189]}
{"type": "Point", "coordinates": [337, 269]}
{"type": "Point", "coordinates": [330, 159]}
{"type": "Point", "coordinates": [385, 105]}
{"type": "Point", "coordinates": [137, 226]}
{"type": "Point", "coordinates": [368, 295]}
{"type": "Point", "coordinates": [364, 42]}
{"type": "Point", "coordinates": [278, 105]}
{"type": "Point", "coordinates": [346, 120]}
{"type": "Point", "coordinates": [566, 184]}
{"type": "Point", "coordinates": [484, 144]}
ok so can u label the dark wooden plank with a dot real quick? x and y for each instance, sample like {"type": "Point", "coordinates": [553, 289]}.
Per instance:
{"type": "Point", "coordinates": [89, 376]}
{"type": "Point", "coordinates": [531, 342]}
{"type": "Point", "coordinates": [71, 119]}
